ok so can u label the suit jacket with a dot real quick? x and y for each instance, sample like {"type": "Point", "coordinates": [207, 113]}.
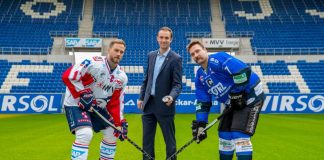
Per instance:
{"type": "Point", "coordinates": [168, 82]}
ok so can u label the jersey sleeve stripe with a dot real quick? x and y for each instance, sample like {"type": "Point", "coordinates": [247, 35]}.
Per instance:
{"type": "Point", "coordinates": [69, 84]}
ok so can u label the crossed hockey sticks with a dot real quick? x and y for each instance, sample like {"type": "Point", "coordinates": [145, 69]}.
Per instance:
{"type": "Point", "coordinates": [205, 129]}
{"type": "Point", "coordinates": [128, 139]}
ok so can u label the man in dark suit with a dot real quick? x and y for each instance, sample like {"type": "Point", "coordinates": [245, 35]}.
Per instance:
{"type": "Point", "coordinates": [161, 86]}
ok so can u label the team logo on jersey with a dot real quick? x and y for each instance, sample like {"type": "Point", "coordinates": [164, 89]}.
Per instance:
{"type": "Point", "coordinates": [118, 82]}
{"type": "Point", "coordinates": [107, 87]}
{"type": "Point", "coordinates": [219, 90]}
{"type": "Point", "coordinates": [85, 63]}
{"type": "Point", "coordinates": [210, 82]}
{"type": "Point", "coordinates": [214, 60]}
{"type": "Point", "coordinates": [201, 78]}
{"type": "Point", "coordinates": [97, 58]}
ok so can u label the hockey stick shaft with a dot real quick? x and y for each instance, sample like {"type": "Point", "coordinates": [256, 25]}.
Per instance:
{"type": "Point", "coordinates": [128, 139]}
{"type": "Point", "coordinates": [205, 129]}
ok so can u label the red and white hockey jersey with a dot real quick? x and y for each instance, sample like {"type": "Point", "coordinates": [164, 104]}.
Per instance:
{"type": "Point", "coordinates": [107, 86]}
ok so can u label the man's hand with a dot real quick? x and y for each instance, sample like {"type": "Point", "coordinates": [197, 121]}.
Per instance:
{"type": "Point", "coordinates": [238, 100]}
{"type": "Point", "coordinates": [87, 101]}
{"type": "Point", "coordinates": [140, 104]}
{"type": "Point", "coordinates": [122, 134]}
{"type": "Point", "coordinates": [197, 127]}
{"type": "Point", "coordinates": [167, 100]}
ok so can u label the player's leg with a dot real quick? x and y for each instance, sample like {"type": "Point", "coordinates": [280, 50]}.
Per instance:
{"type": "Point", "coordinates": [80, 125]}
{"type": "Point", "coordinates": [243, 145]}
{"type": "Point", "coordinates": [226, 143]}
{"type": "Point", "coordinates": [108, 144]}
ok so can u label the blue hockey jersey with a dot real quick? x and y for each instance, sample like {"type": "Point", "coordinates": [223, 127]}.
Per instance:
{"type": "Point", "coordinates": [218, 78]}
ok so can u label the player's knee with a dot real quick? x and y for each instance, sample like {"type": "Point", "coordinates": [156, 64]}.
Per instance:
{"type": "Point", "coordinates": [226, 144]}
{"type": "Point", "coordinates": [108, 135]}
{"type": "Point", "coordinates": [243, 144]}
{"type": "Point", "coordinates": [84, 135]}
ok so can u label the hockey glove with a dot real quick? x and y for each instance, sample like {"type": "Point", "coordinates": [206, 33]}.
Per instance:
{"type": "Point", "coordinates": [238, 100]}
{"type": "Point", "coordinates": [122, 134]}
{"type": "Point", "coordinates": [197, 127]}
{"type": "Point", "coordinates": [87, 101]}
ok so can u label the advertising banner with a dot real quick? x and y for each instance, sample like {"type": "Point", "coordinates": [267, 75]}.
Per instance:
{"type": "Point", "coordinates": [83, 42]}
{"type": "Point", "coordinates": [52, 103]}
{"type": "Point", "coordinates": [221, 43]}
{"type": "Point", "coordinates": [30, 103]}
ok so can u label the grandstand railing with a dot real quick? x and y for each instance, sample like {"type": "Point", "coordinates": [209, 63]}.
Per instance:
{"type": "Point", "coordinates": [105, 34]}
{"type": "Point", "coordinates": [63, 33]}
{"type": "Point", "coordinates": [25, 51]}
{"type": "Point", "coordinates": [198, 35]}
{"type": "Point", "coordinates": [229, 34]}
{"type": "Point", "coordinates": [239, 34]}
{"type": "Point", "coordinates": [288, 51]}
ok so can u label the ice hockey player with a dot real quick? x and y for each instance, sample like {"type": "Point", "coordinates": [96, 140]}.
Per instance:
{"type": "Point", "coordinates": [97, 83]}
{"type": "Point", "coordinates": [232, 83]}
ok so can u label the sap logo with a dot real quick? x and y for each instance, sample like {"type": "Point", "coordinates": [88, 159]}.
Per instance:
{"type": "Point", "coordinates": [76, 153]}
{"type": "Point", "coordinates": [92, 42]}
{"type": "Point", "coordinates": [130, 103]}
{"type": "Point", "coordinates": [72, 41]}
{"type": "Point", "coordinates": [24, 103]}
{"type": "Point", "coordinates": [108, 151]}
{"type": "Point", "coordinates": [297, 103]}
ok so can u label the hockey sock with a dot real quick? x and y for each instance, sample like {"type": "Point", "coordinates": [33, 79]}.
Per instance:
{"type": "Point", "coordinates": [107, 150]}
{"type": "Point", "coordinates": [79, 151]}
{"type": "Point", "coordinates": [226, 146]}
{"type": "Point", "coordinates": [244, 157]}
{"type": "Point", "coordinates": [243, 146]}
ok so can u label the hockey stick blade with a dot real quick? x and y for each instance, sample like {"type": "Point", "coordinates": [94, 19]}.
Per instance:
{"type": "Point", "coordinates": [128, 139]}
{"type": "Point", "coordinates": [205, 129]}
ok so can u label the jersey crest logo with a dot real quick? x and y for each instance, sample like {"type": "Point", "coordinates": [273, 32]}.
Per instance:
{"type": "Point", "coordinates": [85, 63]}
{"type": "Point", "coordinates": [210, 82]}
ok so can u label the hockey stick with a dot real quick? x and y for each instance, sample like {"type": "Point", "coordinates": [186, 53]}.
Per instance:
{"type": "Point", "coordinates": [205, 129]}
{"type": "Point", "coordinates": [128, 139]}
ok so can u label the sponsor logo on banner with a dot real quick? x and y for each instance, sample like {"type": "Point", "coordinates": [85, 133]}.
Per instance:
{"type": "Point", "coordinates": [294, 103]}
{"type": "Point", "coordinates": [31, 103]}
{"type": "Point", "coordinates": [221, 42]}
{"type": "Point", "coordinates": [83, 42]}
{"type": "Point", "coordinates": [185, 103]}
{"type": "Point", "coordinates": [92, 42]}
{"type": "Point", "coordinates": [71, 42]}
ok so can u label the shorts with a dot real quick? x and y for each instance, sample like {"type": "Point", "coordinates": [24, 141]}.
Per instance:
{"type": "Point", "coordinates": [76, 118]}
{"type": "Point", "coordinates": [243, 120]}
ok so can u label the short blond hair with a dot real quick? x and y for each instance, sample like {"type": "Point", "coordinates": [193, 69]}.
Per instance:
{"type": "Point", "coordinates": [192, 43]}
{"type": "Point", "coordinates": [117, 41]}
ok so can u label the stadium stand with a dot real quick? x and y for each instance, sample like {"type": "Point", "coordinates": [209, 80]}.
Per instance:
{"type": "Point", "coordinates": [25, 26]}
{"type": "Point", "coordinates": [138, 21]}
{"type": "Point", "coordinates": [297, 26]}
{"type": "Point", "coordinates": [45, 77]}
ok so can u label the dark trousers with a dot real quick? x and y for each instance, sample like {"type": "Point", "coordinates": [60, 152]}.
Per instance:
{"type": "Point", "coordinates": [166, 122]}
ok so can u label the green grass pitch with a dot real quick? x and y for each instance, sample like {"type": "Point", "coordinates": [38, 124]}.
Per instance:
{"type": "Point", "coordinates": [46, 137]}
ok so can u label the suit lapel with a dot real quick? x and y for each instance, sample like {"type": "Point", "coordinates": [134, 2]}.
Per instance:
{"type": "Point", "coordinates": [152, 63]}
{"type": "Point", "coordinates": [165, 61]}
